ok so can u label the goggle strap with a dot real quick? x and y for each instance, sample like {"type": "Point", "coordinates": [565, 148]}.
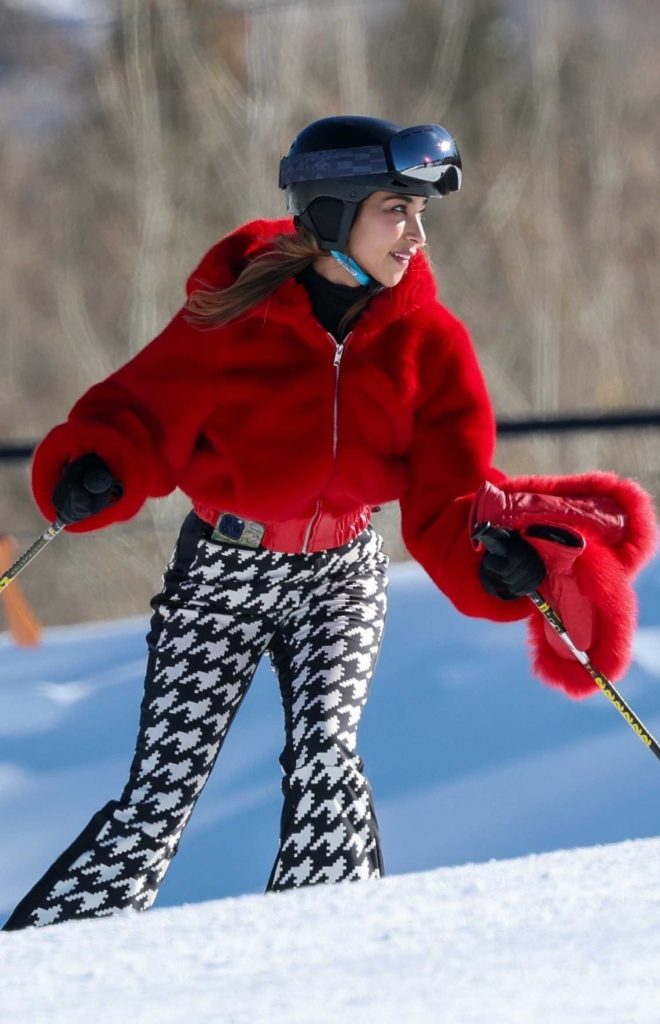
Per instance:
{"type": "Point", "coordinates": [332, 163]}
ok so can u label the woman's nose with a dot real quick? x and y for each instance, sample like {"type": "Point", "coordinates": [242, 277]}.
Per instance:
{"type": "Point", "coordinates": [416, 231]}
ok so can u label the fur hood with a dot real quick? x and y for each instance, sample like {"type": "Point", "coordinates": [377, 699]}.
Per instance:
{"type": "Point", "coordinates": [223, 263]}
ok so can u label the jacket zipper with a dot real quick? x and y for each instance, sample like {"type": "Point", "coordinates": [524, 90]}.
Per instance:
{"type": "Point", "coordinates": [339, 351]}
{"type": "Point", "coordinates": [310, 526]}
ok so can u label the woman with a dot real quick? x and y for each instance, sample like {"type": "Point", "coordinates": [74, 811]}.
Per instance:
{"type": "Point", "coordinates": [311, 376]}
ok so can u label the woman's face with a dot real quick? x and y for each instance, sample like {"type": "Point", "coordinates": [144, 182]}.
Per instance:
{"type": "Point", "coordinates": [386, 235]}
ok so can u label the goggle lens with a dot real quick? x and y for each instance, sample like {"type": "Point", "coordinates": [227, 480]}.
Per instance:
{"type": "Point", "coordinates": [424, 153]}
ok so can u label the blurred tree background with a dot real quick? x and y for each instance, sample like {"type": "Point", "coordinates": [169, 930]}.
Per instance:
{"type": "Point", "coordinates": [134, 133]}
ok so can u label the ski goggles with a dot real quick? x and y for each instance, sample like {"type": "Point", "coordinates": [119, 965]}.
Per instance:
{"type": "Point", "coordinates": [425, 153]}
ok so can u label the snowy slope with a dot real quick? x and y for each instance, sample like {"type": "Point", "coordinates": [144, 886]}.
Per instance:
{"type": "Point", "coordinates": [563, 938]}
{"type": "Point", "coordinates": [469, 757]}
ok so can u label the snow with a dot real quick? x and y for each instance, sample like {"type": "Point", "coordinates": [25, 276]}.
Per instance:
{"type": "Point", "coordinates": [470, 759]}
{"type": "Point", "coordinates": [468, 755]}
{"type": "Point", "coordinates": [563, 937]}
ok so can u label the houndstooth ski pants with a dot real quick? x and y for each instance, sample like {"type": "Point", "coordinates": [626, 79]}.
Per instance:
{"type": "Point", "coordinates": [320, 618]}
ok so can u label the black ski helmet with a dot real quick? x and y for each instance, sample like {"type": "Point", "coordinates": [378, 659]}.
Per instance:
{"type": "Point", "coordinates": [337, 162]}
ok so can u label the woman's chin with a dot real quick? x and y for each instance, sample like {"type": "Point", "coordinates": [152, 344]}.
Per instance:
{"type": "Point", "coordinates": [388, 278]}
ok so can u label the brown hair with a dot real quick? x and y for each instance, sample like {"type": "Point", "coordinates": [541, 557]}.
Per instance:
{"type": "Point", "coordinates": [290, 254]}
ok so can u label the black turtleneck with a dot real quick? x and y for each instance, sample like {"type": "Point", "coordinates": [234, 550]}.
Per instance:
{"type": "Point", "coordinates": [330, 302]}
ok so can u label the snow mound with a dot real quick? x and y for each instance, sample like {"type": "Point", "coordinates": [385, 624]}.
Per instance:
{"type": "Point", "coordinates": [569, 936]}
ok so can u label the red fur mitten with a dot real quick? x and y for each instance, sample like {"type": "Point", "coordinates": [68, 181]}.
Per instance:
{"type": "Point", "coordinates": [607, 532]}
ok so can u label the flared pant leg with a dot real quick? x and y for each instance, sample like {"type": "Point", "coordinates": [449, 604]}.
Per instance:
{"type": "Point", "coordinates": [203, 655]}
{"type": "Point", "coordinates": [324, 655]}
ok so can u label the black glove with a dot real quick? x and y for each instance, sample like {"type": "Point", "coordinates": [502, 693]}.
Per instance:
{"type": "Point", "coordinates": [517, 571]}
{"type": "Point", "coordinates": [86, 487]}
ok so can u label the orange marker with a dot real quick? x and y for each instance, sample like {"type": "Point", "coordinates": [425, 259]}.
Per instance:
{"type": "Point", "coordinates": [22, 623]}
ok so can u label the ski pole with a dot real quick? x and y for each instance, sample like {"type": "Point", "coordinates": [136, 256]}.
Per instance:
{"type": "Point", "coordinates": [95, 481]}
{"type": "Point", "coordinates": [40, 543]}
{"type": "Point", "coordinates": [490, 537]}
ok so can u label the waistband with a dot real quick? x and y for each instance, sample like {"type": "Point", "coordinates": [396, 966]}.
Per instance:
{"type": "Point", "coordinates": [319, 532]}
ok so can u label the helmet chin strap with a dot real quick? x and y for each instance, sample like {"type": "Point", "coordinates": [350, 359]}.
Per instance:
{"type": "Point", "coordinates": [349, 264]}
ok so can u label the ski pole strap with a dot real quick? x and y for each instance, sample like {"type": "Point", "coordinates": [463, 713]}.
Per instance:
{"type": "Point", "coordinates": [40, 543]}
{"type": "Point", "coordinates": [601, 680]}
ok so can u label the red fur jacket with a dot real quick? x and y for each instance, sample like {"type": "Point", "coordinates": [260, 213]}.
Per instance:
{"type": "Point", "coordinates": [243, 418]}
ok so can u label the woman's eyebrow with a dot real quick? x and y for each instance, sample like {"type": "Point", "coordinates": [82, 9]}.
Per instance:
{"type": "Point", "coordinates": [407, 199]}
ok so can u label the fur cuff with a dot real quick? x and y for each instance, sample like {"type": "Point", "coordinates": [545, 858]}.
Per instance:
{"type": "Point", "coordinates": [589, 583]}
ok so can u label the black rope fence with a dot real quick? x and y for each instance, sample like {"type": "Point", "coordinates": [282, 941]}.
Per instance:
{"type": "Point", "coordinates": [16, 451]}
{"type": "Point", "coordinates": [574, 422]}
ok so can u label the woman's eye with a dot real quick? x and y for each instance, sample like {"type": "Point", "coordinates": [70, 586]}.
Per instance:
{"type": "Point", "coordinates": [404, 209]}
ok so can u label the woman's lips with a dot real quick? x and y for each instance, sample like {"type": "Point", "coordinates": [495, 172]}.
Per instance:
{"type": "Point", "coordinates": [402, 259]}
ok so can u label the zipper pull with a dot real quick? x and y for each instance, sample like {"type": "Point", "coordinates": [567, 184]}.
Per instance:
{"type": "Point", "coordinates": [339, 347]}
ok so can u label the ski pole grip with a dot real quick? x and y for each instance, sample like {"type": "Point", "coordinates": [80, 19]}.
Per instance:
{"type": "Point", "coordinates": [493, 538]}
{"type": "Point", "coordinates": [97, 480]}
